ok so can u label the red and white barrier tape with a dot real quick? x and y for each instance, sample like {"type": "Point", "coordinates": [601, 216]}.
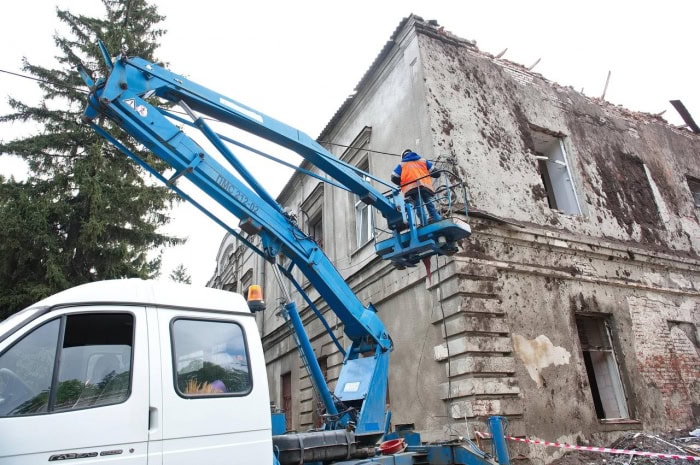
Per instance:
{"type": "Point", "coordinates": [597, 449]}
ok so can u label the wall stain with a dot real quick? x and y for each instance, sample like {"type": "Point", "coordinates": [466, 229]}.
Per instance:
{"type": "Point", "coordinates": [537, 354]}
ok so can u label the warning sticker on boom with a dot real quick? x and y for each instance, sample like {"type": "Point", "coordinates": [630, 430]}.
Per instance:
{"type": "Point", "coordinates": [351, 387]}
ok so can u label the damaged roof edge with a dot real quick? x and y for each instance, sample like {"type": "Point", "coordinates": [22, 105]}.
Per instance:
{"type": "Point", "coordinates": [432, 29]}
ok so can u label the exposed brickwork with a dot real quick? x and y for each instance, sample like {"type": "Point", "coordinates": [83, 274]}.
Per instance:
{"type": "Point", "coordinates": [668, 360]}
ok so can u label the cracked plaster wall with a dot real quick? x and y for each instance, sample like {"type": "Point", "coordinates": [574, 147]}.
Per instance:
{"type": "Point", "coordinates": [637, 238]}
{"type": "Point", "coordinates": [482, 111]}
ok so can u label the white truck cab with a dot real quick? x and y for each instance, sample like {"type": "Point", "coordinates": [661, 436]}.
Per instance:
{"type": "Point", "coordinates": [134, 372]}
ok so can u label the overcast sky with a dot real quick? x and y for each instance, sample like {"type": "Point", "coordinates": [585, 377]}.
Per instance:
{"type": "Point", "coordinates": [297, 61]}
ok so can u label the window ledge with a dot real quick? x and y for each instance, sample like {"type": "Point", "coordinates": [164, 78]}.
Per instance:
{"type": "Point", "coordinates": [621, 423]}
{"type": "Point", "coordinates": [563, 213]}
{"type": "Point", "coordinates": [361, 248]}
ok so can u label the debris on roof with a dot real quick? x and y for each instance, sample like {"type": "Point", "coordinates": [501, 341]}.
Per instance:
{"type": "Point", "coordinates": [520, 73]}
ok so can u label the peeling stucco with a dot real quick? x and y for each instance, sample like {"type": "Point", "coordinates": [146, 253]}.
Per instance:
{"type": "Point", "coordinates": [537, 354]}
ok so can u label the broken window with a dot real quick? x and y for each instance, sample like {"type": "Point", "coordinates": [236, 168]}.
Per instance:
{"type": "Point", "coordinates": [601, 366]}
{"type": "Point", "coordinates": [555, 172]}
{"type": "Point", "coordinates": [364, 217]}
{"type": "Point", "coordinates": [694, 185]}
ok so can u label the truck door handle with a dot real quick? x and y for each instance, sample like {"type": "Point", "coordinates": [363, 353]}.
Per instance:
{"type": "Point", "coordinates": [152, 419]}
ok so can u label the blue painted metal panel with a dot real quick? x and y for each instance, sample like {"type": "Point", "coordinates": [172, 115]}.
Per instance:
{"type": "Point", "coordinates": [411, 246]}
{"type": "Point", "coordinates": [354, 381]}
{"type": "Point", "coordinates": [279, 423]}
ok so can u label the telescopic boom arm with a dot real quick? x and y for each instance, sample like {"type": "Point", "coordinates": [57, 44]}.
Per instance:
{"type": "Point", "coordinates": [128, 97]}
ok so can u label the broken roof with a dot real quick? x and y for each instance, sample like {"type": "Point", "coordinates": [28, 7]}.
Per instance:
{"type": "Point", "coordinates": [432, 29]}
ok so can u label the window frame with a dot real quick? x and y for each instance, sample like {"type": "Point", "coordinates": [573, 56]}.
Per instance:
{"type": "Point", "coordinates": [551, 154]}
{"type": "Point", "coordinates": [58, 357]}
{"type": "Point", "coordinates": [174, 360]}
{"type": "Point", "coordinates": [289, 412]}
{"type": "Point", "coordinates": [357, 154]}
{"type": "Point", "coordinates": [246, 281]}
{"type": "Point", "coordinates": [604, 325]}
{"type": "Point", "coordinates": [361, 208]}
{"type": "Point", "coordinates": [694, 187]}
{"type": "Point", "coordinates": [54, 367]}
{"type": "Point", "coordinates": [312, 208]}
{"type": "Point", "coordinates": [314, 228]}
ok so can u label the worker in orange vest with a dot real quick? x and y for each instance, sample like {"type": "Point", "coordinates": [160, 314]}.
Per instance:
{"type": "Point", "coordinates": [413, 175]}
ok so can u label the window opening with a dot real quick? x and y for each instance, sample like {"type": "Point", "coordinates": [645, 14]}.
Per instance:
{"type": "Point", "coordinates": [210, 358]}
{"type": "Point", "coordinates": [694, 185]}
{"type": "Point", "coordinates": [690, 331]}
{"type": "Point", "coordinates": [225, 259]}
{"type": "Point", "coordinates": [601, 366]}
{"type": "Point", "coordinates": [364, 214]}
{"type": "Point", "coordinates": [246, 281]}
{"type": "Point", "coordinates": [231, 287]}
{"type": "Point", "coordinates": [315, 229]}
{"type": "Point", "coordinates": [312, 211]}
{"type": "Point", "coordinates": [357, 155]}
{"type": "Point", "coordinates": [555, 172]}
{"type": "Point", "coordinates": [286, 382]}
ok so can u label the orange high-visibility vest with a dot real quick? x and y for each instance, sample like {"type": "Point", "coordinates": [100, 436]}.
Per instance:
{"type": "Point", "coordinates": [412, 171]}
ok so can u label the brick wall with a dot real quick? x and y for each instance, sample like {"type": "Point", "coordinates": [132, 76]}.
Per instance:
{"type": "Point", "coordinates": [668, 360]}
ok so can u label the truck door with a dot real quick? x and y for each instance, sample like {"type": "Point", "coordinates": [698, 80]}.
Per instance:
{"type": "Point", "coordinates": [74, 385]}
{"type": "Point", "coordinates": [215, 406]}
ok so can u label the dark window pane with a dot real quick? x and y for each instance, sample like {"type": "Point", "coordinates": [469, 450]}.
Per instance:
{"type": "Point", "coordinates": [95, 367]}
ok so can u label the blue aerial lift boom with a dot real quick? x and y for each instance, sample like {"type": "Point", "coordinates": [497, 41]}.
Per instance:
{"type": "Point", "coordinates": [136, 97]}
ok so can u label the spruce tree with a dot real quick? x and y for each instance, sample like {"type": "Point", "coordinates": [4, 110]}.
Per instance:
{"type": "Point", "coordinates": [86, 212]}
{"type": "Point", "coordinates": [180, 275]}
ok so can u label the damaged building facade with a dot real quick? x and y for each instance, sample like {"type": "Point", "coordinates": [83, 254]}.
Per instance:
{"type": "Point", "coordinates": [572, 310]}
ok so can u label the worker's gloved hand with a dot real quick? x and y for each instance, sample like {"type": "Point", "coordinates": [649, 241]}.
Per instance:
{"type": "Point", "coordinates": [435, 174]}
